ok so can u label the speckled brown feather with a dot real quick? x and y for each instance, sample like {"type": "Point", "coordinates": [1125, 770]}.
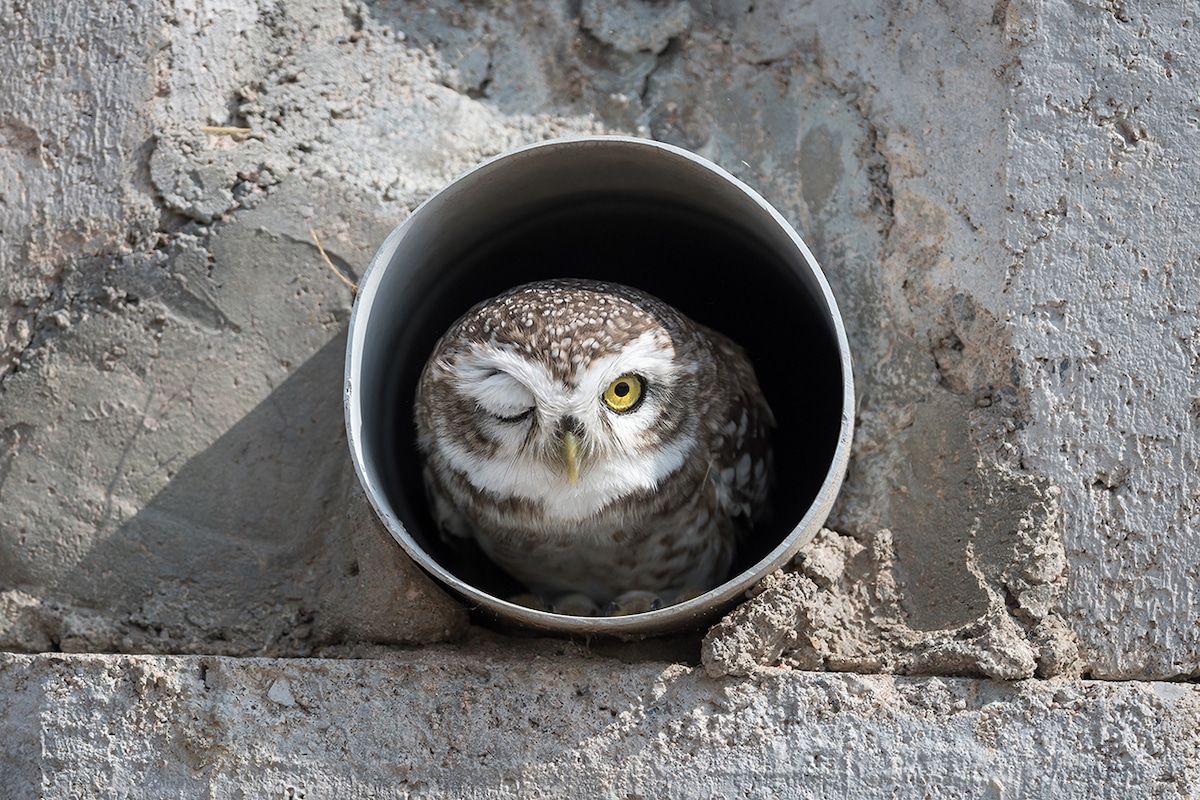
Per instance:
{"type": "Point", "coordinates": [675, 534]}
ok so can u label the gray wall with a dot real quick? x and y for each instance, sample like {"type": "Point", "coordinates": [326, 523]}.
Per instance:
{"type": "Point", "coordinates": [1001, 197]}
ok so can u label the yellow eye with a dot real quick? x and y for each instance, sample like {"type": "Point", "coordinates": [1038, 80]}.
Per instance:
{"type": "Point", "coordinates": [623, 393]}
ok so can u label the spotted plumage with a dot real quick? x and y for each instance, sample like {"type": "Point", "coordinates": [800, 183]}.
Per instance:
{"type": "Point", "coordinates": [594, 440]}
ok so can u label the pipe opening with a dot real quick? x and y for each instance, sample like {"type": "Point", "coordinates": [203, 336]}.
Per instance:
{"type": "Point", "coordinates": [707, 252]}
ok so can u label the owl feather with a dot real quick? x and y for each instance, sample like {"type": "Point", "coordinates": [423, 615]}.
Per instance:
{"type": "Point", "coordinates": [592, 439]}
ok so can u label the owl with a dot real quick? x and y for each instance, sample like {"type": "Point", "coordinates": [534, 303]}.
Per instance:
{"type": "Point", "coordinates": [604, 449]}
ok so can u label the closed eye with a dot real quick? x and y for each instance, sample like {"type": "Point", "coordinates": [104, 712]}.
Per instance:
{"type": "Point", "coordinates": [517, 418]}
{"type": "Point", "coordinates": [502, 397]}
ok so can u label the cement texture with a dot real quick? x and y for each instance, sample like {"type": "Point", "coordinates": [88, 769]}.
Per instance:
{"type": "Point", "coordinates": [1000, 197]}
{"type": "Point", "coordinates": [536, 719]}
{"type": "Point", "coordinates": [1003, 198]}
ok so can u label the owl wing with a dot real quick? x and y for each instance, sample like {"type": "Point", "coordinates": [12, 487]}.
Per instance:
{"type": "Point", "coordinates": [741, 469]}
{"type": "Point", "coordinates": [451, 522]}
{"type": "Point", "coordinates": [460, 550]}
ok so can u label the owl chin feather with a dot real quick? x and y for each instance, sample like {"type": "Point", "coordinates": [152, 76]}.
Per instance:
{"type": "Point", "coordinates": [521, 387]}
{"type": "Point", "coordinates": [604, 479]}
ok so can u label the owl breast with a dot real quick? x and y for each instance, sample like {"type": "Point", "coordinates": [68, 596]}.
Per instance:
{"type": "Point", "coordinates": [590, 438]}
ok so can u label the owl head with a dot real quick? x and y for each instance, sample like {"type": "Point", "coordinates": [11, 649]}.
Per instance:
{"type": "Point", "coordinates": [569, 394]}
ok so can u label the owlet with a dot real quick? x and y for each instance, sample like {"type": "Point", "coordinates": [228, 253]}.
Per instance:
{"type": "Point", "coordinates": [594, 441]}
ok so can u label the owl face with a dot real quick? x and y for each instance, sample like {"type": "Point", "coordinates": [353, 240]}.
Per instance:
{"type": "Point", "coordinates": [566, 394]}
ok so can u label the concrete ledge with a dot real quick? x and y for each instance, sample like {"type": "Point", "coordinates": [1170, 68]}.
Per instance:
{"type": "Point", "coordinates": [552, 719]}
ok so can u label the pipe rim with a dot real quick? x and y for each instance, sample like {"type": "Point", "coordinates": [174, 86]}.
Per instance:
{"type": "Point", "coordinates": [675, 617]}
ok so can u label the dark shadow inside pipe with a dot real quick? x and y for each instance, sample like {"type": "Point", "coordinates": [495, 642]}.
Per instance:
{"type": "Point", "coordinates": [717, 274]}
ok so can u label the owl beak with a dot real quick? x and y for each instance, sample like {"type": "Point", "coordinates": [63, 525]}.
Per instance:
{"type": "Point", "coordinates": [570, 429]}
{"type": "Point", "coordinates": [570, 451]}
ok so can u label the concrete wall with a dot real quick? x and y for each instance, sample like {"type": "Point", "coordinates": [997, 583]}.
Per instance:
{"type": "Point", "coordinates": [1001, 197]}
{"type": "Point", "coordinates": [488, 720]}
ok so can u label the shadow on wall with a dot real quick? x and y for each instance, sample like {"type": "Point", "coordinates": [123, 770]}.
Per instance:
{"type": "Point", "coordinates": [228, 557]}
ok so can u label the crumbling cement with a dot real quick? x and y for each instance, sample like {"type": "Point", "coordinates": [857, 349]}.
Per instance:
{"type": "Point", "coordinates": [172, 468]}
{"type": "Point", "coordinates": [844, 609]}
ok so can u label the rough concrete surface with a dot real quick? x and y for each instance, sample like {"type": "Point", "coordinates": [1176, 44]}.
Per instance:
{"type": "Point", "coordinates": [488, 721]}
{"type": "Point", "coordinates": [1000, 194]}
{"type": "Point", "coordinates": [197, 366]}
